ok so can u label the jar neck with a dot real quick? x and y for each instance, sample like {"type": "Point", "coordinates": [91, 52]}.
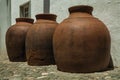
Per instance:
{"type": "Point", "coordinates": [25, 20]}
{"type": "Point", "coordinates": [46, 17]}
{"type": "Point", "coordinates": [79, 14]}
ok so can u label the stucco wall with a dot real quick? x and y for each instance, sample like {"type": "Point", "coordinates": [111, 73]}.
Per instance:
{"type": "Point", "coordinates": [107, 11]}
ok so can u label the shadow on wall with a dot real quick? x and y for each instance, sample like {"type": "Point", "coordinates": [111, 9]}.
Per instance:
{"type": "Point", "coordinates": [4, 23]}
{"type": "Point", "coordinates": [0, 40]}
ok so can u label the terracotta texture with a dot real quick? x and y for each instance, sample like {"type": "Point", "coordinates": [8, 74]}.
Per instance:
{"type": "Point", "coordinates": [39, 49]}
{"type": "Point", "coordinates": [15, 39]}
{"type": "Point", "coordinates": [82, 42]}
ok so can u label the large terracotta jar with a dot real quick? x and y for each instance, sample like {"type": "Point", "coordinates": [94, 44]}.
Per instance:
{"type": "Point", "coordinates": [82, 42]}
{"type": "Point", "coordinates": [39, 49]}
{"type": "Point", "coordinates": [15, 39]}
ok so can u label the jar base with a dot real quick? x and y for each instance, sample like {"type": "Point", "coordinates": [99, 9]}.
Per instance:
{"type": "Point", "coordinates": [14, 59]}
{"type": "Point", "coordinates": [40, 63]}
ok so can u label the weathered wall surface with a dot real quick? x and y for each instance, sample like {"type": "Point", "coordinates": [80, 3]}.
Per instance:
{"type": "Point", "coordinates": [106, 10]}
{"type": "Point", "coordinates": [15, 9]}
{"type": "Point", "coordinates": [36, 8]}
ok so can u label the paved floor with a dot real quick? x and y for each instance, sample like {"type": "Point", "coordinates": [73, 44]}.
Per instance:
{"type": "Point", "coordinates": [21, 71]}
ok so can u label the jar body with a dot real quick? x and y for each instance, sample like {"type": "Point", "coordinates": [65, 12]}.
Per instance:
{"type": "Point", "coordinates": [39, 49]}
{"type": "Point", "coordinates": [15, 41]}
{"type": "Point", "coordinates": [81, 44]}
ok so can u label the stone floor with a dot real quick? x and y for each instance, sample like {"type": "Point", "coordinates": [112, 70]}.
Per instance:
{"type": "Point", "coordinates": [21, 71]}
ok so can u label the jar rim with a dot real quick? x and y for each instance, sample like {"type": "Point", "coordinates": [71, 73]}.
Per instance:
{"type": "Point", "coordinates": [24, 19]}
{"type": "Point", "coordinates": [81, 8]}
{"type": "Point", "coordinates": [46, 16]}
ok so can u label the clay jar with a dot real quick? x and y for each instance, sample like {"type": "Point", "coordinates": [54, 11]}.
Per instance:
{"type": "Point", "coordinates": [15, 39]}
{"type": "Point", "coordinates": [81, 42]}
{"type": "Point", "coordinates": [39, 49]}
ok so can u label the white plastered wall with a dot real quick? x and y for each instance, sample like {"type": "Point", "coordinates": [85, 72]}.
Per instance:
{"type": "Point", "coordinates": [36, 8]}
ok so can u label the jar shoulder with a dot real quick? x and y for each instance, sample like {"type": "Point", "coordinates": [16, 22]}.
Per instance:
{"type": "Point", "coordinates": [82, 21]}
{"type": "Point", "coordinates": [18, 29]}
{"type": "Point", "coordinates": [44, 24]}
{"type": "Point", "coordinates": [91, 25]}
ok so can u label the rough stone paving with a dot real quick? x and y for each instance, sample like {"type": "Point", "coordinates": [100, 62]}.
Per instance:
{"type": "Point", "coordinates": [21, 71]}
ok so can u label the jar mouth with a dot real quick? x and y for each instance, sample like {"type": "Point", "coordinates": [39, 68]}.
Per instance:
{"type": "Point", "coordinates": [46, 16]}
{"type": "Point", "coordinates": [81, 8]}
{"type": "Point", "coordinates": [28, 20]}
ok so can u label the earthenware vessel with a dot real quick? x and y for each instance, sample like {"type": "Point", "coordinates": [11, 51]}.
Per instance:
{"type": "Point", "coordinates": [15, 39]}
{"type": "Point", "coordinates": [39, 49]}
{"type": "Point", "coordinates": [81, 42]}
